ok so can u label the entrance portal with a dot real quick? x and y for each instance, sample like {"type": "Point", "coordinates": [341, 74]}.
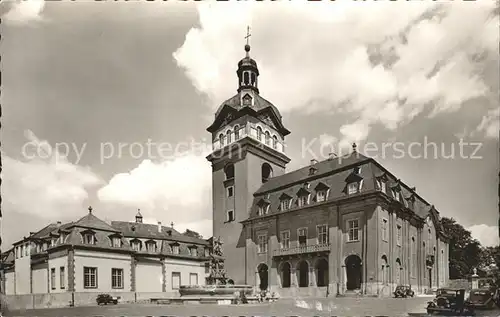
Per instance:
{"type": "Point", "coordinates": [263, 276]}
{"type": "Point", "coordinates": [354, 272]}
{"type": "Point", "coordinates": [322, 272]}
{"type": "Point", "coordinates": [303, 272]}
{"type": "Point", "coordinates": [285, 275]}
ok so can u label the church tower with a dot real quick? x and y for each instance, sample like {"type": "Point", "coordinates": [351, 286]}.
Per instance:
{"type": "Point", "coordinates": [248, 140]}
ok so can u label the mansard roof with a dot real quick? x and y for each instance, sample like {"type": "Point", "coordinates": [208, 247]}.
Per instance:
{"type": "Point", "coordinates": [329, 166]}
{"type": "Point", "coordinates": [90, 221]}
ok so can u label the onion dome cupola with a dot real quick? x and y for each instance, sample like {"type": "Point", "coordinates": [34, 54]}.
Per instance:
{"type": "Point", "coordinates": [247, 72]}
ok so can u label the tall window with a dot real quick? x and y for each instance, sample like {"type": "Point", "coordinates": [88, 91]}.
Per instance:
{"type": "Point", "coordinates": [384, 230]}
{"type": "Point", "coordinates": [285, 239]}
{"type": "Point", "coordinates": [275, 142]}
{"type": "Point", "coordinates": [62, 279]}
{"type": "Point", "coordinates": [193, 279]}
{"type": "Point", "coordinates": [259, 133]}
{"type": "Point", "coordinates": [230, 191]}
{"type": "Point", "coordinates": [268, 138]}
{"type": "Point", "coordinates": [302, 233]}
{"type": "Point", "coordinates": [117, 242]}
{"type": "Point", "coordinates": [228, 134]}
{"type": "Point", "coordinates": [322, 234]}
{"type": "Point", "coordinates": [263, 208]}
{"type": "Point", "coordinates": [221, 139]}
{"type": "Point", "coordinates": [136, 245]}
{"type": "Point", "coordinates": [89, 277]}
{"type": "Point", "coordinates": [175, 249]}
{"type": "Point", "coordinates": [230, 215]}
{"type": "Point", "coordinates": [88, 238]}
{"type": "Point", "coordinates": [176, 280]}
{"type": "Point", "coordinates": [116, 278]}
{"type": "Point", "coordinates": [53, 278]}
{"type": "Point", "coordinates": [285, 204]}
{"type": "Point", "coordinates": [321, 196]}
{"type": "Point", "coordinates": [193, 251]}
{"type": "Point", "coordinates": [151, 246]}
{"type": "Point", "coordinates": [398, 235]}
{"type": "Point", "coordinates": [382, 185]}
{"type": "Point", "coordinates": [236, 132]}
{"type": "Point", "coordinates": [396, 195]}
{"type": "Point", "coordinates": [262, 240]}
{"type": "Point", "coordinates": [302, 200]}
{"type": "Point", "coordinates": [353, 230]}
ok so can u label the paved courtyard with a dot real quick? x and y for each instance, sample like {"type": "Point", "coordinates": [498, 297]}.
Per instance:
{"type": "Point", "coordinates": [285, 307]}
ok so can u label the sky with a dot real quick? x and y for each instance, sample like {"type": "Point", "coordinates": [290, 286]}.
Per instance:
{"type": "Point", "coordinates": [107, 103]}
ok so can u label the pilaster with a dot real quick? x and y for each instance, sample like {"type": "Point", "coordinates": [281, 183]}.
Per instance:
{"type": "Point", "coordinates": [164, 276]}
{"type": "Point", "coordinates": [133, 265]}
{"type": "Point", "coordinates": [71, 270]}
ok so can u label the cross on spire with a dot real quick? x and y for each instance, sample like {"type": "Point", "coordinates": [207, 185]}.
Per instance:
{"type": "Point", "coordinates": [248, 35]}
{"type": "Point", "coordinates": [172, 224]}
{"type": "Point", "coordinates": [90, 209]}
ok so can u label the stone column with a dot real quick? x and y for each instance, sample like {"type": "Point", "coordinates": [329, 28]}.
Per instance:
{"type": "Point", "coordinates": [293, 277]}
{"type": "Point", "coordinates": [475, 280]}
{"type": "Point", "coordinates": [312, 279]}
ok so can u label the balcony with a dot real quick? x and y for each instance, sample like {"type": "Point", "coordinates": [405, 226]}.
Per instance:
{"type": "Point", "coordinates": [315, 248]}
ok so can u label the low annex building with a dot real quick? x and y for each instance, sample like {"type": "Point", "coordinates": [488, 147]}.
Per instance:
{"type": "Point", "coordinates": [339, 226]}
{"type": "Point", "coordinates": [89, 256]}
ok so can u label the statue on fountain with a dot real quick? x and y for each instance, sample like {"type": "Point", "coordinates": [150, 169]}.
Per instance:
{"type": "Point", "coordinates": [217, 275]}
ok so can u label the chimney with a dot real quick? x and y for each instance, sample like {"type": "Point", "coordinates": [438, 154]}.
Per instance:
{"type": "Point", "coordinates": [331, 156]}
{"type": "Point", "coordinates": [159, 226]}
{"type": "Point", "coordinates": [58, 223]}
{"type": "Point", "coordinates": [314, 161]}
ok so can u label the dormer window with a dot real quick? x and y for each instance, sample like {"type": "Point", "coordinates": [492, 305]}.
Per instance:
{"type": "Point", "coordinates": [303, 200]}
{"type": "Point", "coordinates": [354, 188]}
{"type": "Point", "coordinates": [207, 252]}
{"type": "Point", "coordinates": [89, 238]}
{"type": "Point", "coordinates": [396, 195]}
{"type": "Point", "coordinates": [193, 251]}
{"type": "Point", "coordinates": [263, 208]}
{"type": "Point", "coordinates": [53, 242]}
{"type": "Point", "coordinates": [285, 204]}
{"type": "Point", "coordinates": [247, 100]}
{"type": "Point", "coordinates": [136, 245]}
{"type": "Point", "coordinates": [405, 202]}
{"type": "Point", "coordinates": [151, 246]}
{"type": "Point", "coordinates": [382, 184]}
{"type": "Point", "coordinates": [321, 192]}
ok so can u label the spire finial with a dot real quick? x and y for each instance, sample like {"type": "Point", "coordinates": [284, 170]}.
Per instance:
{"type": "Point", "coordinates": [354, 147]}
{"type": "Point", "coordinates": [90, 209]}
{"type": "Point", "coordinates": [172, 224]}
{"type": "Point", "coordinates": [247, 37]}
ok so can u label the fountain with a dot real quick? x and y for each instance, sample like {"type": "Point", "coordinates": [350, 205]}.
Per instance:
{"type": "Point", "coordinates": [218, 283]}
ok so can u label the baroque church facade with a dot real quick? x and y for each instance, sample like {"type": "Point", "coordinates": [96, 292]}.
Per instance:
{"type": "Point", "coordinates": [339, 226]}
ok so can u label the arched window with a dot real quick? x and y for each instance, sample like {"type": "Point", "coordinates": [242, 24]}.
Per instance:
{"type": "Point", "coordinates": [385, 270]}
{"type": "Point", "coordinates": [253, 79]}
{"type": "Point", "coordinates": [236, 132]}
{"type": "Point", "coordinates": [285, 275]}
{"type": "Point", "coordinates": [222, 139]}
{"type": "Point", "coordinates": [275, 142]}
{"type": "Point", "coordinates": [259, 134]}
{"type": "Point", "coordinates": [228, 133]}
{"type": "Point", "coordinates": [229, 171]}
{"type": "Point", "coordinates": [267, 172]}
{"type": "Point", "coordinates": [268, 138]}
{"type": "Point", "coordinates": [246, 79]}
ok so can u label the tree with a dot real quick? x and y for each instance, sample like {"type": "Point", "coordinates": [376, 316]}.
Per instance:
{"type": "Point", "coordinates": [465, 252]}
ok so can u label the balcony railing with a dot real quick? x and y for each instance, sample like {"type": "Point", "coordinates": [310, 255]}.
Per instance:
{"type": "Point", "coordinates": [303, 249]}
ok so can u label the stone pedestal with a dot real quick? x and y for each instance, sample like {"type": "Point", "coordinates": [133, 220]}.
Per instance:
{"type": "Point", "coordinates": [474, 281]}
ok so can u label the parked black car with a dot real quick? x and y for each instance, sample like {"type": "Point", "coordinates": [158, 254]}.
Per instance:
{"type": "Point", "coordinates": [403, 291]}
{"type": "Point", "coordinates": [450, 301]}
{"type": "Point", "coordinates": [104, 299]}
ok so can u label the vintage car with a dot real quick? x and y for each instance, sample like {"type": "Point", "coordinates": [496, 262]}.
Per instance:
{"type": "Point", "coordinates": [104, 299]}
{"type": "Point", "coordinates": [403, 291]}
{"type": "Point", "coordinates": [483, 298]}
{"type": "Point", "coordinates": [450, 301]}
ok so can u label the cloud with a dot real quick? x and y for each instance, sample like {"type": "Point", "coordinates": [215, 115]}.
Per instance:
{"type": "Point", "coordinates": [46, 185]}
{"type": "Point", "coordinates": [487, 235]}
{"type": "Point", "coordinates": [175, 190]}
{"type": "Point", "coordinates": [24, 11]}
{"type": "Point", "coordinates": [383, 64]}
{"type": "Point", "coordinates": [490, 124]}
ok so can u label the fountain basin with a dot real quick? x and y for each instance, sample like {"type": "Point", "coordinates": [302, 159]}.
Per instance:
{"type": "Point", "coordinates": [200, 290]}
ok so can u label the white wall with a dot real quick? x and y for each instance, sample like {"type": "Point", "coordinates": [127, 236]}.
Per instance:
{"type": "Point", "coordinates": [104, 261]}
{"type": "Point", "coordinates": [22, 269]}
{"type": "Point", "coordinates": [184, 267]}
{"type": "Point", "coordinates": [40, 280]}
{"type": "Point", "coordinates": [149, 277]}
{"type": "Point", "coordinates": [57, 263]}
{"type": "Point", "coordinates": [9, 283]}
